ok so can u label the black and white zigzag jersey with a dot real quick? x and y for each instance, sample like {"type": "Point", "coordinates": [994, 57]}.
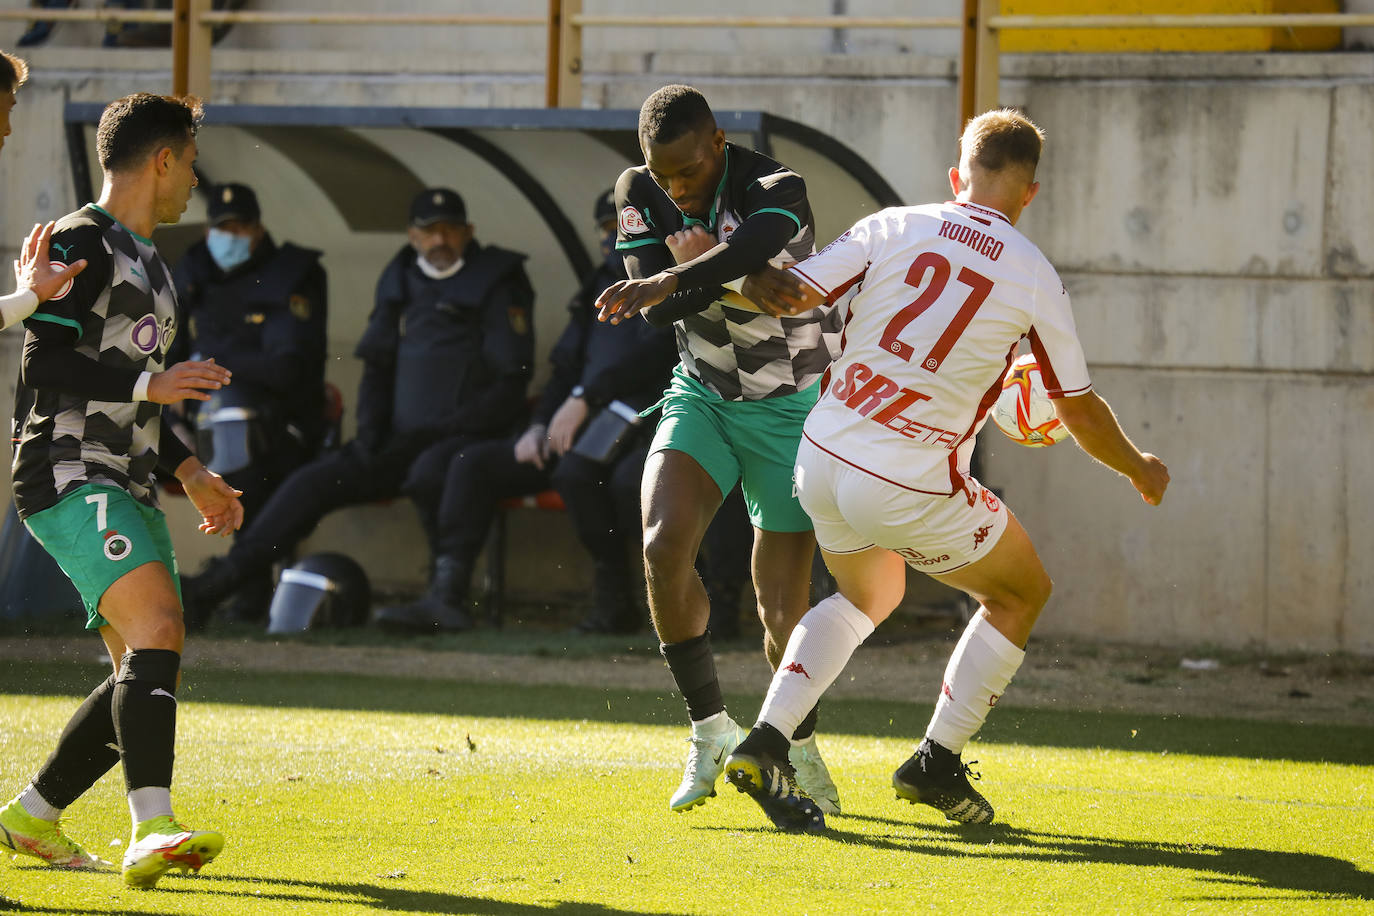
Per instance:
{"type": "Point", "coordinates": [739, 354]}
{"type": "Point", "coordinates": [122, 308]}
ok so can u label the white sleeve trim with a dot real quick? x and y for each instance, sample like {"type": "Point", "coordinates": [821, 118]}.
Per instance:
{"type": "Point", "coordinates": [17, 306]}
{"type": "Point", "coordinates": [141, 386]}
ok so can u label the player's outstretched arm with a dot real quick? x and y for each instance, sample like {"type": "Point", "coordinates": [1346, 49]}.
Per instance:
{"type": "Point", "coordinates": [218, 503]}
{"type": "Point", "coordinates": [781, 292]}
{"type": "Point", "coordinates": [1095, 429]}
{"type": "Point", "coordinates": [188, 381]}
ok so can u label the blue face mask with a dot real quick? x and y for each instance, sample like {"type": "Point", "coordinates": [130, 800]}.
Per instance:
{"type": "Point", "coordinates": [228, 250]}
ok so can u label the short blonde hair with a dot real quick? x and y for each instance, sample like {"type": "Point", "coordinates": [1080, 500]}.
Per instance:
{"type": "Point", "coordinates": [1002, 139]}
{"type": "Point", "coordinates": [13, 72]}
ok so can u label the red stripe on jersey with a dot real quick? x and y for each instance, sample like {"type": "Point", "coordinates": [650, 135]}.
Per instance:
{"type": "Point", "coordinates": [1052, 386]}
{"type": "Point", "coordinates": [859, 467]}
{"type": "Point", "coordinates": [844, 287]}
{"type": "Point", "coordinates": [989, 398]}
{"type": "Point", "coordinates": [796, 269]}
{"type": "Point", "coordinates": [972, 206]}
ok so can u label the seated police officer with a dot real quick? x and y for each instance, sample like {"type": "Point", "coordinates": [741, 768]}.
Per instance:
{"type": "Point", "coordinates": [595, 365]}
{"type": "Point", "coordinates": [447, 355]}
{"type": "Point", "coordinates": [259, 310]}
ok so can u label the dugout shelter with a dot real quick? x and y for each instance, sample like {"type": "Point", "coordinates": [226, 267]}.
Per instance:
{"type": "Point", "coordinates": [340, 179]}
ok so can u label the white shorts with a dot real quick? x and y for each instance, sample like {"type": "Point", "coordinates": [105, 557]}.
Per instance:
{"type": "Point", "coordinates": [853, 511]}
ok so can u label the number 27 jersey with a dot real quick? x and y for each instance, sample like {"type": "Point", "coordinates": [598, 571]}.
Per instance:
{"type": "Point", "coordinates": [944, 294]}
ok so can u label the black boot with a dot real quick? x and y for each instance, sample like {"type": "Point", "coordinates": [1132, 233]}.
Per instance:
{"type": "Point", "coordinates": [614, 609]}
{"type": "Point", "coordinates": [441, 607]}
{"type": "Point", "coordinates": [203, 593]}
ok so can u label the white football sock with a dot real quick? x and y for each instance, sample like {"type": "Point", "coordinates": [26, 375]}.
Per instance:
{"type": "Point", "coordinates": [977, 675]}
{"type": "Point", "coordinates": [149, 802]}
{"type": "Point", "coordinates": [716, 724]}
{"type": "Point", "coordinates": [816, 653]}
{"type": "Point", "coordinates": [38, 806]}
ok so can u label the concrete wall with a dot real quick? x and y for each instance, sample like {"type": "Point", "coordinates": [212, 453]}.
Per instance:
{"type": "Point", "coordinates": [1212, 216]}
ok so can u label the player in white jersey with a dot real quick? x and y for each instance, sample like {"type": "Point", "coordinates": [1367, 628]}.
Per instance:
{"type": "Point", "coordinates": [36, 277]}
{"type": "Point", "coordinates": [945, 292]}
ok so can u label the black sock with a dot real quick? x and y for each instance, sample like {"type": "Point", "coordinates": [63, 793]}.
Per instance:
{"type": "Point", "coordinates": [85, 751]}
{"type": "Point", "coordinates": [767, 739]}
{"type": "Point", "coordinates": [807, 727]}
{"type": "Point", "coordinates": [694, 669]}
{"type": "Point", "coordinates": [145, 716]}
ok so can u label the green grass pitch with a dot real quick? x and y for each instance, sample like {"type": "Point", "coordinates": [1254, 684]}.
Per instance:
{"type": "Point", "coordinates": [344, 795]}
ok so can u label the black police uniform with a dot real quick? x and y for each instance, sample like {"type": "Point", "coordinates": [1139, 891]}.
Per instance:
{"type": "Point", "coordinates": [629, 362]}
{"type": "Point", "coordinates": [445, 362]}
{"type": "Point", "coordinates": [265, 321]}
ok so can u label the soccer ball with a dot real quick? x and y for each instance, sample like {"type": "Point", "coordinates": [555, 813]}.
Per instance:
{"type": "Point", "coordinates": [1023, 411]}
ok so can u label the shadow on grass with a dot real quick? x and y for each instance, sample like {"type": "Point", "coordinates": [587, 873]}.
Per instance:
{"type": "Point", "coordinates": [1149, 734]}
{"type": "Point", "coordinates": [383, 898]}
{"type": "Point", "coordinates": [1308, 874]}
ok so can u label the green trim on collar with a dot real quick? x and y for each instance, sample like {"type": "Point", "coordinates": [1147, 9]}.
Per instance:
{"type": "Point", "coordinates": [101, 209]}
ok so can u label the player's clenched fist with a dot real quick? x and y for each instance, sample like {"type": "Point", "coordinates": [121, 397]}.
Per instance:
{"type": "Point", "coordinates": [188, 381]}
{"type": "Point", "coordinates": [689, 244]}
{"type": "Point", "coordinates": [1153, 480]}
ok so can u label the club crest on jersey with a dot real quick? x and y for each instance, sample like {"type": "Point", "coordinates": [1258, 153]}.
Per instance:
{"type": "Point", "coordinates": [66, 287]}
{"type": "Point", "coordinates": [631, 223]}
{"type": "Point", "coordinates": [117, 546]}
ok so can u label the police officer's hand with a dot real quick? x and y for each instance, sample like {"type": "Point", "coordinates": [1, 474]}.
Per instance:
{"type": "Point", "coordinates": [690, 244]}
{"type": "Point", "coordinates": [34, 270]}
{"type": "Point", "coordinates": [218, 503]}
{"type": "Point", "coordinates": [188, 381]}
{"type": "Point", "coordinates": [628, 298]}
{"type": "Point", "coordinates": [532, 447]}
{"type": "Point", "coordinates": [565, 424]}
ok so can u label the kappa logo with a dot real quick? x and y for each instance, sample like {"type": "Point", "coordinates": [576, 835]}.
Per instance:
{"type": "Point", "coordinates": [631, 222]}
{"type": "Point", "coordinates": [944, 688]}
{"type": "Point", "coordinates": [992, 700]}
{"type": "Point", "coordinates": [796, 668]}
{"type": "Point", "coordinates": [980, 536]}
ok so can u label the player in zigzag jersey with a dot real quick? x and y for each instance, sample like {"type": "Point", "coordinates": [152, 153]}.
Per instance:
{"type": "Point", "coordinates": [945, 294]}
{"type": "Point", "coordinates": [696, 217]}
{"type": "Point", "coordinates": [88, 423]}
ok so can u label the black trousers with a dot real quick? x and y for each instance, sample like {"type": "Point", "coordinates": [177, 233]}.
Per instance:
{"type": "Point", "coordinates": [348, 477]}
{"type": "Point", "coordinates": [602, 500]}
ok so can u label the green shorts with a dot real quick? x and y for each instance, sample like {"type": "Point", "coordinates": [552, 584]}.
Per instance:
{"type": "Point", "coordinates": [750, 442]}
{"type": "Point", "coordinates": [97, 533]}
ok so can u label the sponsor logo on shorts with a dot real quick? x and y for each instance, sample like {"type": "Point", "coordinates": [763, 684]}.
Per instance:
{"type": "Point", "coordinates": [796, 668]}
{"type": "Point", "coordinates": [916, 558]}
{"type": "Point", "coordinates": [631, 223]}
{"type": "Point", "coordinates": [980, 536]}
{"type": "Point", "coordinates": [117, 546]}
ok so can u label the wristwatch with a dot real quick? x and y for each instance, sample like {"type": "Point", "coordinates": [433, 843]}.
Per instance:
{"type": "Point", "coordinates": [578, 391]}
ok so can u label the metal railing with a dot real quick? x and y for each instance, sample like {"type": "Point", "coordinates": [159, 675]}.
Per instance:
{"type": "Point", "coordinates": [980, 25]}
